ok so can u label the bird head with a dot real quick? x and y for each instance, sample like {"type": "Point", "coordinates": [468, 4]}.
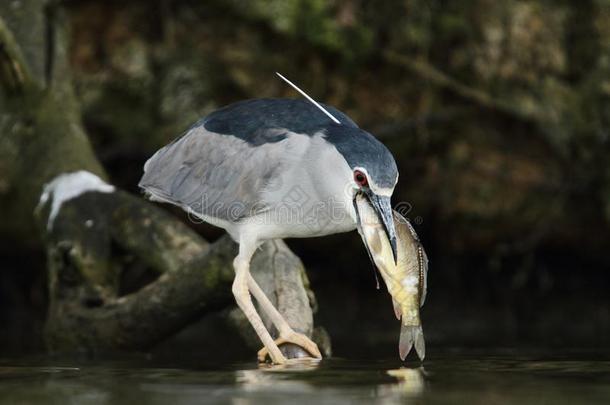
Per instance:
{"type": "Point", "coordinates": [373, 175]}
{"type": "Point", "coordinates": [378, 199]}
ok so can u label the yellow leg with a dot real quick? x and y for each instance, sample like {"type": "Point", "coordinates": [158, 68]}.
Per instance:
{"type": "Point", "coordinates": [242, 296]}
{"type": "Point", "coordinates": [287, 334]}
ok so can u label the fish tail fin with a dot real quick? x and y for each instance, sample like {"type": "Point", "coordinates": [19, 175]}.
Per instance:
{"type": "Point", "coordinates": [397, 309]}
{"type": "Point", "coordinates": [411, 336]}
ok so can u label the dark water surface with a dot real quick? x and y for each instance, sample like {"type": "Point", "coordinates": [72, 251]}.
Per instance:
{"type": "Point", "coordinates": [448, 377]}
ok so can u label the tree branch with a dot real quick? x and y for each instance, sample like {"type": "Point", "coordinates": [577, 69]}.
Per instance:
{"type": "Point", "coordinates": [153, 236]}
{"type": "Point", "coordinates": [86, 310]}
{"type": "Point", "coordinates": [14, 71]}
{"type": "Point", "coordinates": [430, 73]}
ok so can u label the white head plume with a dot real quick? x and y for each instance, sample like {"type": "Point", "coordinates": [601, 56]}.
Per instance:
{"type": "Point", "coordinates": [309, 98]}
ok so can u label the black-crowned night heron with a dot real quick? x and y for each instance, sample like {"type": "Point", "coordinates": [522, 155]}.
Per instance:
{"type": "Point", "coordinates": [274, 168]}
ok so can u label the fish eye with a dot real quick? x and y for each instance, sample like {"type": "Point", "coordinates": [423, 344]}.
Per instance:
{"type": "Point", "coordinates": [360, 178]}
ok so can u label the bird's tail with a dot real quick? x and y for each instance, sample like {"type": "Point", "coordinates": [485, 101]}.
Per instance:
{"type": "Point", "coordinates": [411, 336]}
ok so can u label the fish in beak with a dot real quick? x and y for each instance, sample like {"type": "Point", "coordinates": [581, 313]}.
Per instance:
{"type": "Point", "coordinates": [382, 206]}
{"type": "Point", "coordinates": [405, 278]}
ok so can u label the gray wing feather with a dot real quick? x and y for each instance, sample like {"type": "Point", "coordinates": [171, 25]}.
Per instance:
{"type": "Point", "coordinates": [215, 175]}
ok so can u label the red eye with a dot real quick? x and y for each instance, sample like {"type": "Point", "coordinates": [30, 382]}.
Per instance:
{"type": "Point", "coordinates": [360, 178]}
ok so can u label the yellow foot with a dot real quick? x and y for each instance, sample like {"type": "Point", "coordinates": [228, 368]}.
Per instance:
{"type": "Point", "coordinates": [276, 355]}
{"type": "Point", "coordinates": [295, 338]}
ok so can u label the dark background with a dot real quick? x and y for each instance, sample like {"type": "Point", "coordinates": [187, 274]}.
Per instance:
{"type": "Point", "coordinates": [498, 114]}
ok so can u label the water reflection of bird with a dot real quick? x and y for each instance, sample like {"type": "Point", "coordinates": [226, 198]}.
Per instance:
{"type": "Point", "coordinates": [274, 168]}
{"type": "Point", "coordinates": [300, 381]}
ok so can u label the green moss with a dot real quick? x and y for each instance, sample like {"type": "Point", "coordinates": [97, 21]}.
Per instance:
{"type": "Point", "coordinates": [314, 21]}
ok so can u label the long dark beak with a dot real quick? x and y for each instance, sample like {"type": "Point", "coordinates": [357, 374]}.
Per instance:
{"type": "Point", "coordinates": [383, 207]}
